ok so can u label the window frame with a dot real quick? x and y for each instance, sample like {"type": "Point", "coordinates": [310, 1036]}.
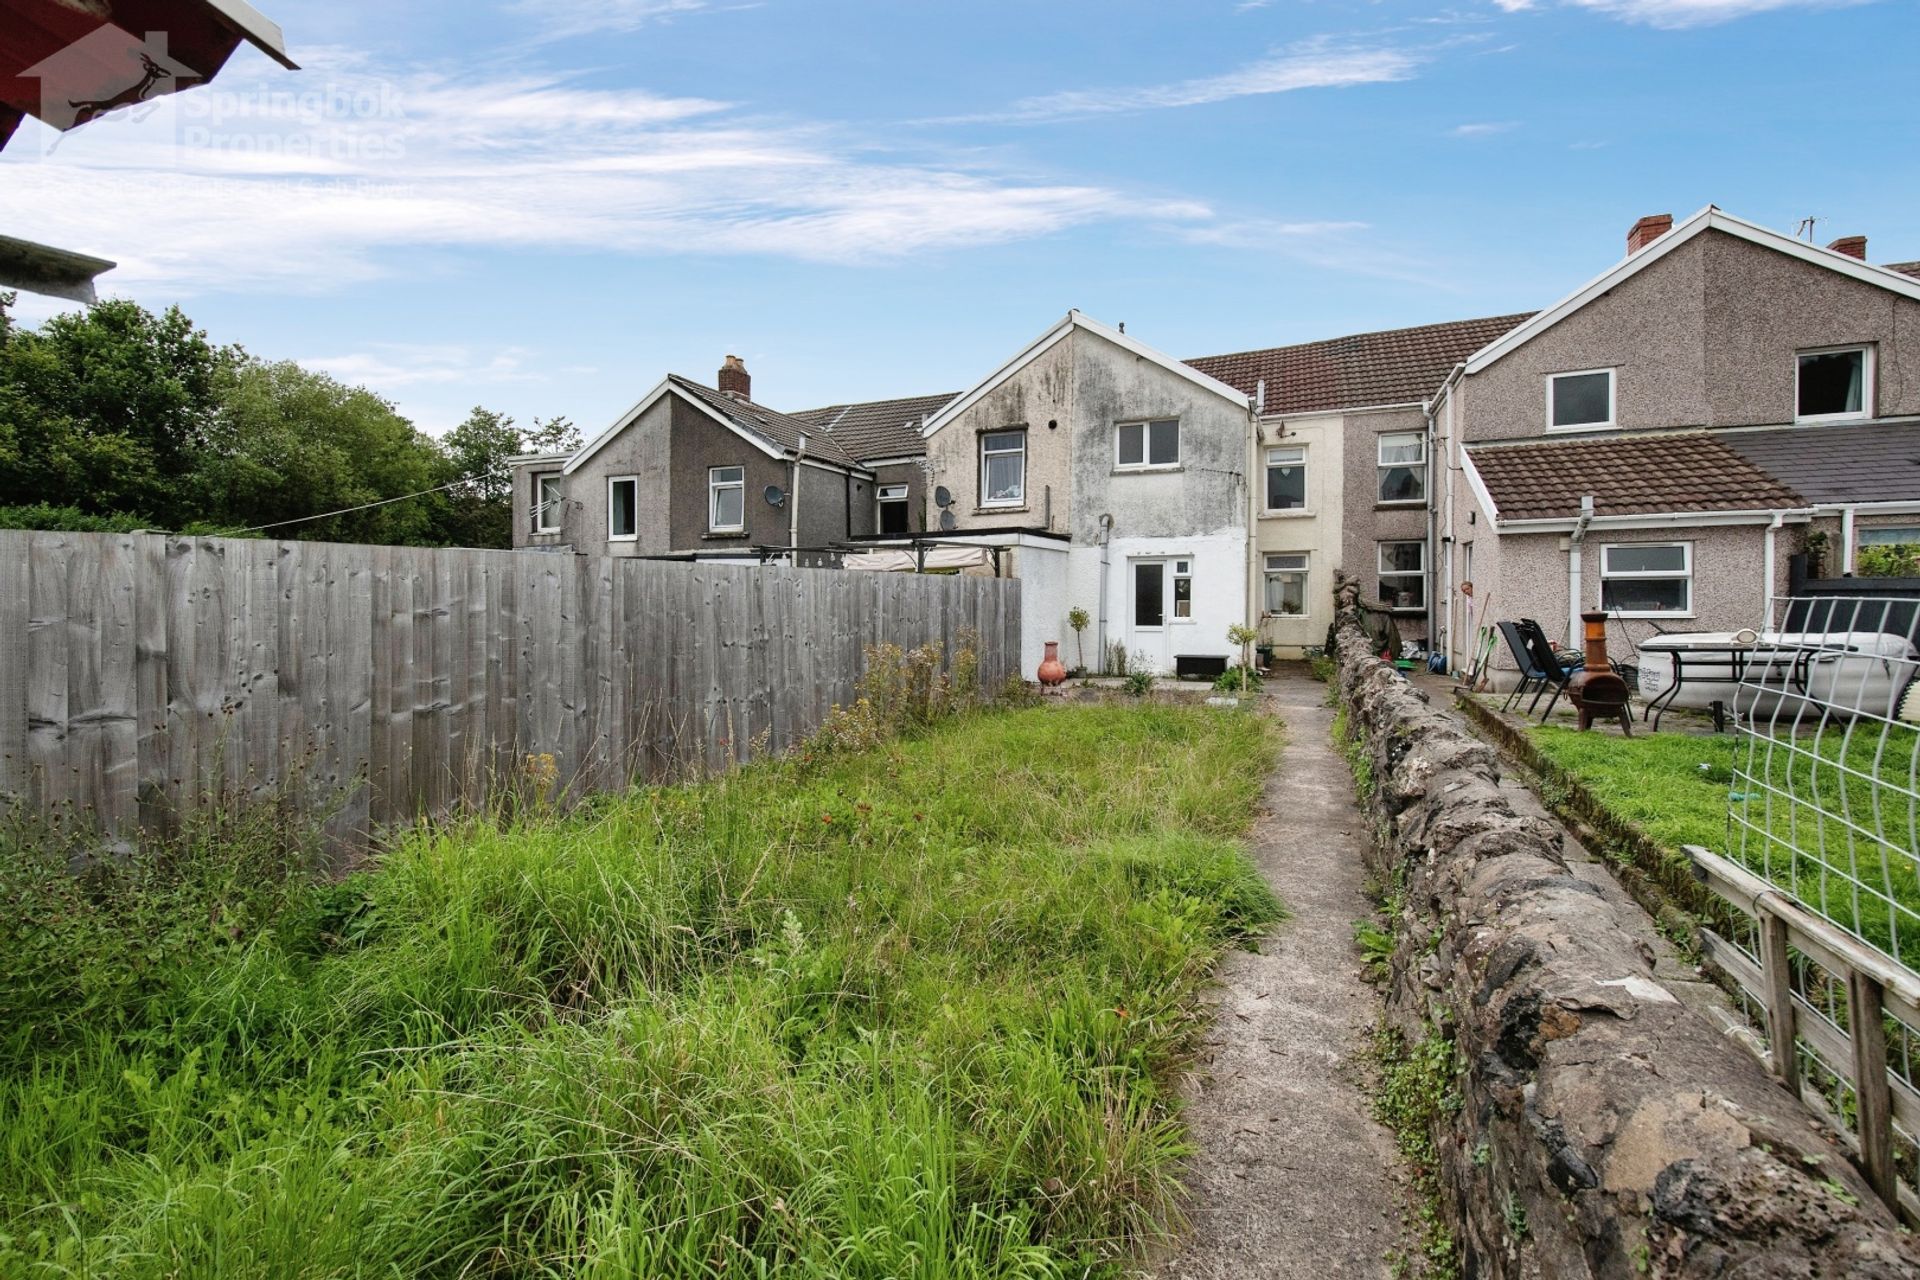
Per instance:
{"type": "Point", "coordinates": [985, 453]}
{"type": "Point", "coordinates": [900, 493]}
{"type": "Point", "coordinates": [1381, 467]}
{"type": "Point", "coordinates": [1613, 400]}
{"type": "Point", "coordinates": [1382, 572]}
{"type": "Point", "coordinates": [542, 506]}
{"type": "Point", "coordinates": [1306, 477]}
{"type": "Point", "coordinates": [1146, 462]}
{"type": "Point", "coordinates": [1868, 374]}
{"type": "Point", "coordinates": [1685, 575]}
{"type": "Point", "coordinates": [1861, 540]}
{"type": "Point", "coordinates": [715, 487]}
{"type": "Point", "coordinates": [1270, 571]}
{"type": "Point", "coordinates": [1179, 570]}
{"type": "Point", "coordinates": [614, 482]}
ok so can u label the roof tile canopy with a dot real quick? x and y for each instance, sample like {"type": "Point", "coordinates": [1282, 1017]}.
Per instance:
{"type": "Point", "coordinates": [879, 428]}
{"type": "Point", "coordinates": [781, 429]}
{"type": "Point", "coordinates": [1873, 462]}
{"type": "Point", "coordinates": [1394, 366]}
{"type": "Point", "coordinates": [1630, 475]}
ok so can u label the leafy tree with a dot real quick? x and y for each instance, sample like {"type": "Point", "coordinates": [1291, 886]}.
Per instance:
{"type": "Point", "coordinates": [107, 410]}
{"type": "Point", "coordinates": [478, 510]}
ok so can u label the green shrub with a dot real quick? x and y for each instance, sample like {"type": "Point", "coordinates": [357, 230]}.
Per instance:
{"type": "Point", "coordinates": [1237, 679]}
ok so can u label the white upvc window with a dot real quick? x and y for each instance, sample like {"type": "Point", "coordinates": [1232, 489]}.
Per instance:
{"type": "Point", "coordinates": [1287, 585]}
{"type": "Point", "coordinates": [1647, 579]}
{"type": "Point", "coordinates": [1889, 536]}
{"type": "Point", "coordinates": [1833, 384]}
{"type": "Point", "coordinates": [1403, 575]}
{"type": "Point", "coordinates": [1147, 444]}
{"type": "Point", "coordinates": [1287, 478]}
{"type": "Point", "coordinates": [549, 502]}
{"type": "Point", "coordinates": [623, 509]}
{"type": "Point", "coordinates": [726, 499]}
{"type": "Point", "coordinates": [1183, 591]}
{"type": "Point", "coordinates": [1003, 468]}
{"type": "Point", "coordinates": [890, 502]}
{"type": "Point", "coordinates": [1580, 401]}
{"type": "Point", "coordinates": [1403, 467]}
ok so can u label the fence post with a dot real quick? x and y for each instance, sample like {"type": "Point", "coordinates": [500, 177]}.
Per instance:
{"type": "Point", "coordinates": [1872, 1096]}
{"type": "Point", "coordinates": [1782, 1019]}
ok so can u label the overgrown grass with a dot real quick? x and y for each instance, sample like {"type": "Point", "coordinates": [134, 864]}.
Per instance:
{"type": "Point", "coordinates": [910, 1011]}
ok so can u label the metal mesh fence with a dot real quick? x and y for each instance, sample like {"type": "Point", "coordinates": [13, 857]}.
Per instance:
{"type": "Point", "coordinates": [1825, 801]}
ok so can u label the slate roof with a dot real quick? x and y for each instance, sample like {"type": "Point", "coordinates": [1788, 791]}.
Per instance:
{"type": "Point", "coordinates": [781, 429]}
{"type": "Point", "coordinates": [1393, 366]}
{"type": "Point", "coordinates": [1627, 475]}
{"type": "Point", "coordinates": [879, 428]}
{"type": "Point", "coordinates": [1905, 268]}
{"type": "Point", "coordinates": [1872, 462]}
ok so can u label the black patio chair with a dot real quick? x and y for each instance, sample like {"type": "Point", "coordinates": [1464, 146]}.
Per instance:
{"type": "Point", "coordinates": [1530, 672]}
{"type": "Point", "coordinates": [1553, 671]}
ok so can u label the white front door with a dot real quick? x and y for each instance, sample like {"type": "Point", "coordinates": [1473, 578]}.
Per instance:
{"type": "Point", "coordinates": [1160, 602]}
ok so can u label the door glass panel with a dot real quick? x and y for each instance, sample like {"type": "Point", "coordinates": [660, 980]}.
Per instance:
{"type": "Point", "coordinates": [1149, 595]}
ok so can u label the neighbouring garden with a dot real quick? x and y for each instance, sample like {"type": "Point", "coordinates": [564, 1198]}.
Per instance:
{"type": "Point", "coordinates": [910, 1009]}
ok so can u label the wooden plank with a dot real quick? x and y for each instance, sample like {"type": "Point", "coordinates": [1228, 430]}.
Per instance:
{"type": "Point", "coordinates": [48, 653]}
{"type": "Point", "coordinates": [86, 762]}
{"type": "Point", "coordinates": [1777, 988]}
{"type": "Point", "coordinates": [1874, 1103]}
{"type": "Point", "coordinates": [15, 609]}
{"type": "Point", "coordinates": [115, 704]}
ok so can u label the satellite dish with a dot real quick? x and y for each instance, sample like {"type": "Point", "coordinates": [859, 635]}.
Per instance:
{"type": "Point", "coordinates": [776, 496]}
{"type": "Point", "coordinates": [942, 497]}
{"type": "Point", "coordinates": [947, 523]}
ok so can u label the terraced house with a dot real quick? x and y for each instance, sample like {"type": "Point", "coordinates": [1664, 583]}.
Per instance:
{"type": "Point", "coordinates": [1658, 444]}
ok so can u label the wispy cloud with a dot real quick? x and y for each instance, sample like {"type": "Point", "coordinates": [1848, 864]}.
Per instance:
{"type": "Point", "coordinates": [1484, 128]}
{"type": "Point", "coordinates": [1674, 14]}
{"type": "Point", "coordinates": [232, 189]}
{"type": "Point", "coordinates": [1312, 64]}
{"type": "Point", "coordinates": [405, 364]}
{"type": "Point", "coordinates": [1345, 246]}
{"type": "Point", "coordinates": [562, 19]}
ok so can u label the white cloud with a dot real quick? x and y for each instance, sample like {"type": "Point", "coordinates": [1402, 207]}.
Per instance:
{"type": "Point", "coordinates": [561, 19]}
{"type": "Point", "coordinates": [1682, 13]}
{"type": "Point", "coordinates": [1312, 64]}
{"type": "Point", "coordinates": [1484, 128]}
{"type": "Point", "coordinates": [301, 184]}
{"type": "Point", "coordinates": [403, 364]}
{"type": "Point", "coordinates": [1348, 247]}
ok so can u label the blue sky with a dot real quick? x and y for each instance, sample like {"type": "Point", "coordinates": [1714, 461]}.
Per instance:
{"type": "Point", "coordinates": [543, 205]}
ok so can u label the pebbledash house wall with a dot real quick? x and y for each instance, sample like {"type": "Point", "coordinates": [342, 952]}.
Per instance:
{"type": "Point", "coordinates": [1367, 522]}
{"type": "Point", "coordinates": [1706, 336]}
{"type": "Point", "coordinates": [1070, 399]}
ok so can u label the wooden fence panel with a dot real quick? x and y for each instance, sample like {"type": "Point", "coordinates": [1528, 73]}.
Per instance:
{"type": "Point", "coordinates": [145, 676]}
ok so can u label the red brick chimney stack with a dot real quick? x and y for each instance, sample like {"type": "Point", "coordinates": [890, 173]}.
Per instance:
{"type": "Point", "coordinates": [734, 380]}
{"type": "Point", "coordinates": [1852, 246]}
{"type": "Point", "coordinates": [1647, 230]}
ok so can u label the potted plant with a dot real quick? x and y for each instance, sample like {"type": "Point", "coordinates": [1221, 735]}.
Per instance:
{"type": "Point", "coordinates": [1077, 619]}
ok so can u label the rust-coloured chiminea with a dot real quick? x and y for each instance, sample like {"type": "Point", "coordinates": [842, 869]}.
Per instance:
{"type": "Point", "coordinates": [1597, 688]}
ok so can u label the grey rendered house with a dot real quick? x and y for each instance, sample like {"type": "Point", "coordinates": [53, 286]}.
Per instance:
{"type": "Point", "coordinates": [692, 470]}
{"type": "Point", "coordinates": [1660, 442]}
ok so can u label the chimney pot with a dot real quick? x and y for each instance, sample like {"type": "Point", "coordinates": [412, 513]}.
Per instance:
{"type": "Point", "coordinates": [1647, 230]}
{"type": "Point", "coordinates": [734, 379]}
{"type": "Point", "coordinates": [1852, 246]}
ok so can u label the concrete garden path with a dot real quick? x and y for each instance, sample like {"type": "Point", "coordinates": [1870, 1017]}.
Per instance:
{"type": "Point", "coordinates": [1293, 1175]}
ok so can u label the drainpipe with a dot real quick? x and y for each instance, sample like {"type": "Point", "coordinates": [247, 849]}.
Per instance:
{"type": "Point", "coordinates": [1573, 568]}
{"type": "Point", "coordinates": [793, 503]}
{"type": "Point", "coordinates": [1846, 542]}
{"type": "Point", "coordinates": [1106, 534]}
{"type": "Point", "coordinates": [1767, 562]}
{"type": "Point", "coordinates": [1250, 568]}
{"type": "Point", "coordinates": [1441, 603]}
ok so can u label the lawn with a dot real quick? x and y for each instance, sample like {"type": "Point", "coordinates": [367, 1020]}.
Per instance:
{"type": "Point", "coordinates": [1830, 816]}
{"type": "Point", "coordinates": [911, 1011]}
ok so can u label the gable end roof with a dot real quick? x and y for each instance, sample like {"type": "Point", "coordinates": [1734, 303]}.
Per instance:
{"type": "Point", "coordinates": [1046, 341]}
{"type": "Point", "coordinates": [1710, 218]}
{"type": "Point", "coordinates": [774, 433]}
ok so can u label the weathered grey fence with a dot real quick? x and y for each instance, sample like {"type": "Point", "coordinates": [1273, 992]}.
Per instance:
{"type": "Point", "coordinates": [140, 674]}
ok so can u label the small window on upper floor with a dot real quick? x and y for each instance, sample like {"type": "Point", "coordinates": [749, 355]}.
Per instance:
{"type": "Point", "coordinates": [1834, 385]}
{"type": "Point", "coordinates": [892, 500]}
{"type": "Point", "coordinates": [1003, 468]}
{"type": "Point", "coordinates": [623, 509]}
{"type": "Point", "coordinates": [1403, 467]}
{"type": "Point", "coordinates": [726, 499]}
{"type": "Point", "coordinates": [549, 502]}
{"type": "Point", "coordinates": [1580, 401]}
{"type": "Point", "coordinates": [1147, 444]}
{"type": "Point", "coordinates": [1287, 478]}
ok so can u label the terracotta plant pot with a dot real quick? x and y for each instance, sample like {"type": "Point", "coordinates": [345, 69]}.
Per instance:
{"type": "Point", "coordinates": [1051, 673]}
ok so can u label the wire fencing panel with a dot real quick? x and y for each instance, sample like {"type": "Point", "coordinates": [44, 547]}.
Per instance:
{"type": "Point", "coordinates": [1827, 769]}
{"type": "Point", "coordinates": [142, 677]}
{"type": "Point", "coordinates": [1825, 806]}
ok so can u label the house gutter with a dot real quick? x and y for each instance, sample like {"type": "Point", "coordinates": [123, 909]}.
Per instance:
{"type": "Point", "coordinates": [1250, 574]}
{"type": "Point", "coordinates": [1574, 585]}
{"type": "Point", "coordinates": [1768, 562]}
{"type": "Point", "coordinates": [1106, 536]}
{"type": "Point", "coordinates": [1846, 541]}
{"type": "Point", "coordinates": [1439, 537]}
{"type": "Point", "coordinates": [793, 503]}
